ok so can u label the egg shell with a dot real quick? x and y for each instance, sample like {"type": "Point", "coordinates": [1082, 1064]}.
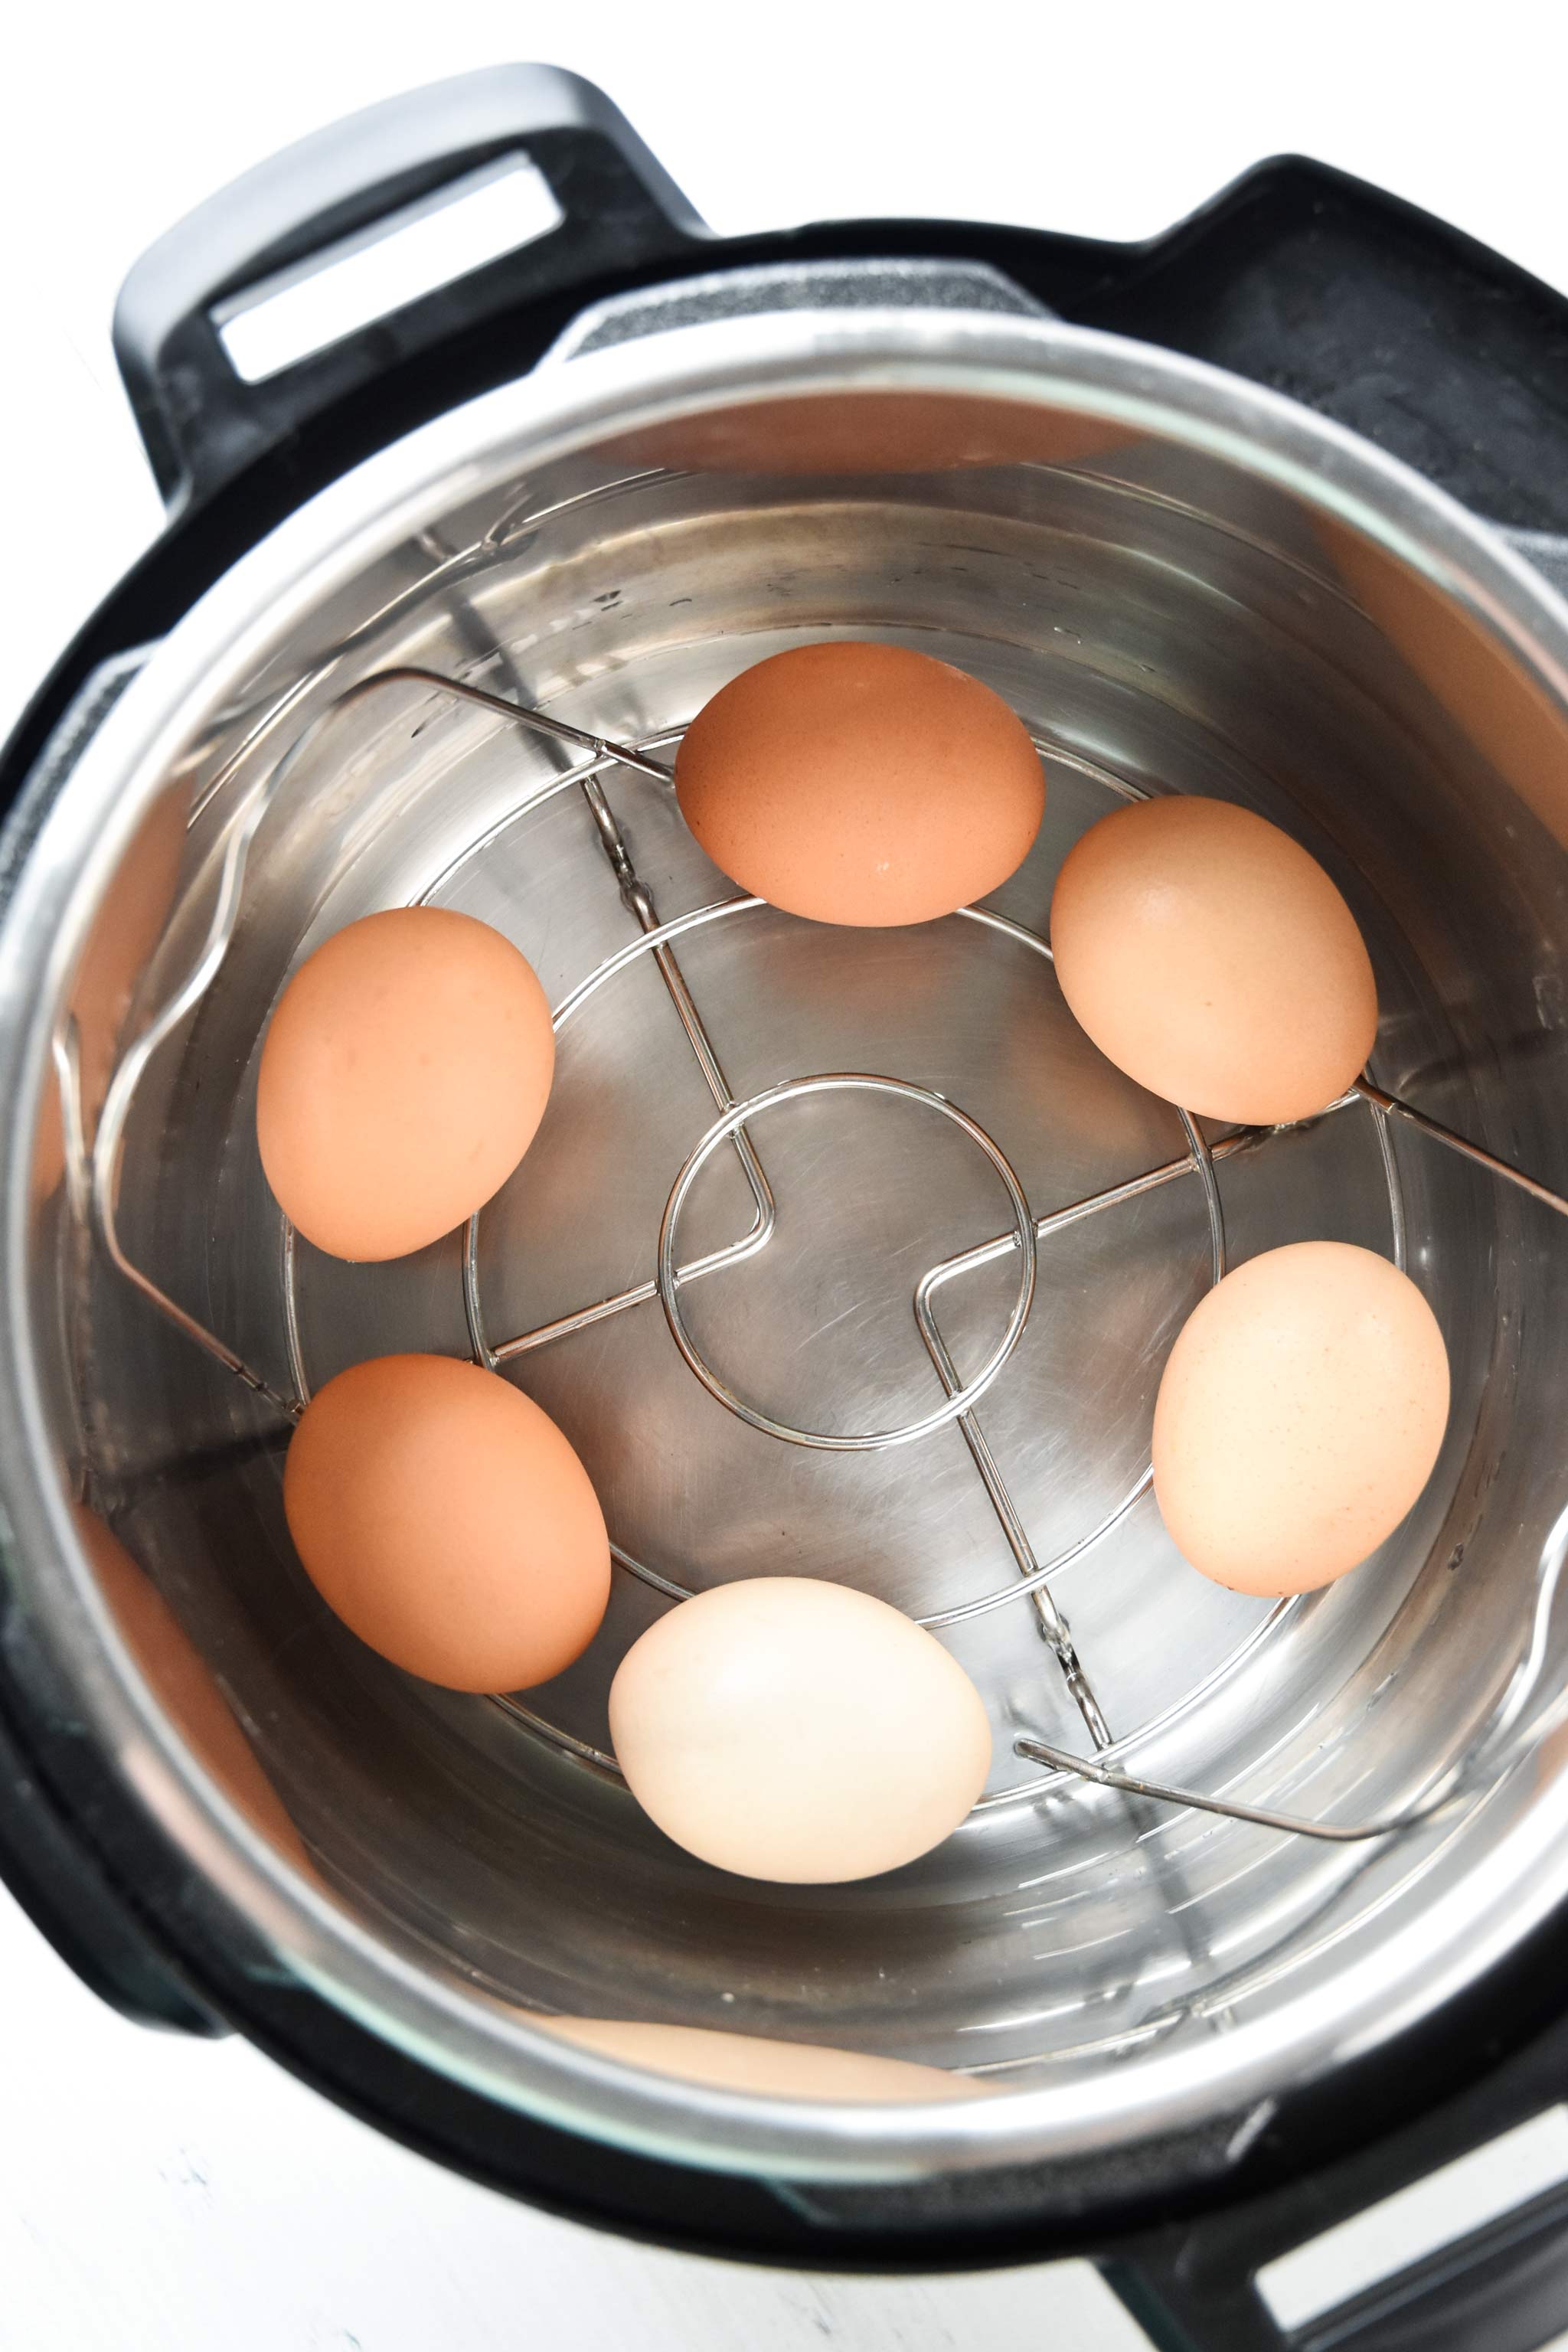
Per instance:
{"type": "Point", "coordinates": [768, 2069]}
{"type": "Point", "coordinates": [404, 1074]}
{"type": "Point", "coordinates": [448, 1522]}
{"type": "Point", "coordinates": [791, 1729]}
{"type": "Point", "coordinates": [1299, 1415]}
{"type": "Point", "coordinates": [861, 783]}
{"type": "Point", "coordinates": [1212, 958]}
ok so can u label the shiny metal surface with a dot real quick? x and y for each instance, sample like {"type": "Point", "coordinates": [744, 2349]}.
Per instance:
{"type": "Point", "coordinates": [733, 1127]}
{"type": "Point", "coordinates": [959, 1399]}
{"type": "Point", "coordinates": [1183, 585]}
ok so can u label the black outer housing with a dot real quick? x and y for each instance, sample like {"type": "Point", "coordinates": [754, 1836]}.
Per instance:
{"type": "Point", "coordinates": [1296, 276]}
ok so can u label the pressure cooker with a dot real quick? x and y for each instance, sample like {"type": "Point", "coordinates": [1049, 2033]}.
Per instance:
{"type": "Point", "coordinates": [1261, 1914]}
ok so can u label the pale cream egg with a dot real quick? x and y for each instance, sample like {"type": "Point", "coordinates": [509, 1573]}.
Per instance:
{"type": "Point", "coordinates": [786, 1728]}
{"type": "Point", "coordinates": [1299, 1415]}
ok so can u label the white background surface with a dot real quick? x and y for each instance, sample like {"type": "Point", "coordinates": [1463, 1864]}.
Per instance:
{"type": "Point", "coordinates": [154, 2194]}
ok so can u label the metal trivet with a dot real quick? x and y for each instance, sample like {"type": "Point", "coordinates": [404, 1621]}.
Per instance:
{"type": "Point", "coordinates": [1507, 1736]}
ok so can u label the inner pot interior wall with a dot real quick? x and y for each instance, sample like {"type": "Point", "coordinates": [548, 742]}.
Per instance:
{"type": "Point", "coordinates": [1163, 622]}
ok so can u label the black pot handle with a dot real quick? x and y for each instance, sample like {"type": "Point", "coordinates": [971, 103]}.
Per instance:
{"type": "Point", "coordinates": [202, 423]}
{"type": "Point", "coordinates": [1503, 2289]}
{"type": "Point", "coordinates": [1204, 2285]}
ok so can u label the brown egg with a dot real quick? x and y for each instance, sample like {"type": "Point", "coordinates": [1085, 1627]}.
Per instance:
{"type": "Point", "coordinates": [404, 1072]}
{"type": "Point", "coordinates": [183, 1681]}
{"type": "Point", "coordinates": [861, 783]}
{"type": "Point", "coordinates": [791, 1729]}
{"type": "Point", "coordinates": [769, 2070]}
{"type": "Point", "coordinates": [1298, 1418]}
{"type": "Point", "coordinates": [1209, 956]}
{"type": "Point", "coordinates": [448, 1521]}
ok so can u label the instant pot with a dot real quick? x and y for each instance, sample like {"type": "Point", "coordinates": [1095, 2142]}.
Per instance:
{"type": "Point", "coordinates": [1269, 508]}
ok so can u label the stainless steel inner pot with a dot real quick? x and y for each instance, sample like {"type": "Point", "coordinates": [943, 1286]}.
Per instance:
{"type": "Point", "coordinates": [1182, 583]}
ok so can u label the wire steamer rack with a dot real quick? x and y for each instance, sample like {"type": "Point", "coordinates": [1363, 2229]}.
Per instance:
{"type": "Point", "coordinates": [1514, 1727]}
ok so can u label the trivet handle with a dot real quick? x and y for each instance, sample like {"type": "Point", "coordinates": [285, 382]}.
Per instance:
{"type": "Point", "coordinates": [202, 422]}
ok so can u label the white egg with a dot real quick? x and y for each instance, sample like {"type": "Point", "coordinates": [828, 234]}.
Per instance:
{"type": "Point", "coordinates": [790, 1729]}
